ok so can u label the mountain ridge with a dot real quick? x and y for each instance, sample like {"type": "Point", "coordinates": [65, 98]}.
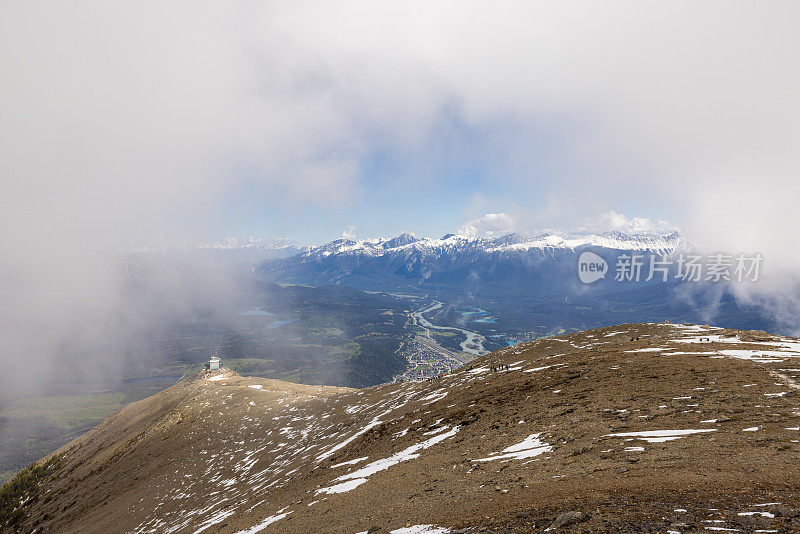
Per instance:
{"type": "Point", "coordinates": [458, 262]}
{"type": "Point", "coordinates": [560, 431]}
{"type": "Point", "coordinates": [614, 239]}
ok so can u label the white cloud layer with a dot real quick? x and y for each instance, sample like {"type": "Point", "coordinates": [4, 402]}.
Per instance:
{"type": "Point", "coordinates": [349, 232]}
{"type": "Point", "coordinates": [116, 116]}
{"type": "Point", "coordinates": [490, 225]}
{"type": "Point", "coordinates": [611, 220]}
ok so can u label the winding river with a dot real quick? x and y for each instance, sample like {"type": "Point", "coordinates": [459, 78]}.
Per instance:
{"type": "Point", "coordinates": [473, 344]}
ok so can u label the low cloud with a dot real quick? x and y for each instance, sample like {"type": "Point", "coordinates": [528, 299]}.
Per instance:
{"type": "Point", "coordinates": [349, 232]}
{"type": "Point", "coordinates": [126, 123]}
{"type": "Point", "coordinates": [613, 221]}
{"type": "Point", "coordinates": [490, 225]}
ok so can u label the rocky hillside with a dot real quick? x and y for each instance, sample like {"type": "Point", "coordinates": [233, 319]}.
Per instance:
{"type": "Point", "coordinates": [640, 427]}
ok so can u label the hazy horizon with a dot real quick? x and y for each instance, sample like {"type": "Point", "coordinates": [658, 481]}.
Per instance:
{"type": "Point", "coordinates": [130, 125]}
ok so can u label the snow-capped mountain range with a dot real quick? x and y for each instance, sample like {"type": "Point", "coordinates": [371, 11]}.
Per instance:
{"type": "Point", "coordinates": [457, 260]}
{"type": "Point", "coordinates": [509, 243]}
{"type": "Point", "coordinates": [286, 246]}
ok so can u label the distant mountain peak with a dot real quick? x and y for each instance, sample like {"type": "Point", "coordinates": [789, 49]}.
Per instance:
{"type": "Point", "coordinates": [509, 242]}
{"type": "Point", "coordinates": [403, 239]}
{"type": "Point", "coordinates": [456, 260]}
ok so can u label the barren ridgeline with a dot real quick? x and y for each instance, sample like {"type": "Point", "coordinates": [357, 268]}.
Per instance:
{"type": "Point", "coordinates": [636, 427]}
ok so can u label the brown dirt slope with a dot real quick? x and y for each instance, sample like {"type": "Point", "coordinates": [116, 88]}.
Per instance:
{"type": "Point", "coordinates": [634, 428]}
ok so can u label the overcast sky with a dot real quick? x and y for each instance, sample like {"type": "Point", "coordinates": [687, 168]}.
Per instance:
{"type": "Point", "coordinates": [189, 120]}
{"type": "Point", "coordinates": [145, 122]}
